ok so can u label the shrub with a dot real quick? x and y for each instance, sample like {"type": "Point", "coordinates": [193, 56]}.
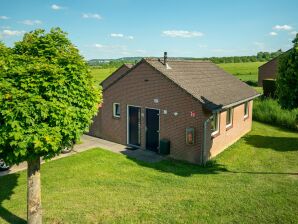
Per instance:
{"type": "Point", "coordinates": [269, 88]}
{"type": "Point", "coordinates": [270, 112]}
{"type": "Point", "coordinates": [287, 78]}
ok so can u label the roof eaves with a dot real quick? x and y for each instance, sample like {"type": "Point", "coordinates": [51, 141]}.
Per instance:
{"type": "Point", "coordinates": [114, 73]}
{"type": "Point", "coordinates": [124, 74]}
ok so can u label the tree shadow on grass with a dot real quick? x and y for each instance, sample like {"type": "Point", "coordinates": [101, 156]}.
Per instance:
{"type": "Point", "coordinates": [282, 144]}
{"type": "Point", "coordinates": [181, 168]}
{"type": "Point", "coordinates": [7, 184]}
{"type": "Point", "coordinates": [185, 169]}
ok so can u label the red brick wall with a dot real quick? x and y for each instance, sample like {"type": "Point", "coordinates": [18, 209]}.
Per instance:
{"type": "Point", "coordinates": [144, 84]}
{"type": "Point", "coordinates": [268, 71]}
{"type": "Point", "coordinates": [227, 136]}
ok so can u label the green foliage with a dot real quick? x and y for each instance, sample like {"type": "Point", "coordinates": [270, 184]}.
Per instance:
{"type": "Point", "coordinates": [270, 112]}
{"type": "Point", "coordinates": [269, 87]}
{"type": "Point", "coordinates": [113, 63]}
{"type": "Point", "coordinates": [47, 98]}
{"type": "Point", "coordinates": [287, 78]}
{"type": "Point", "coordinates": [260, 57]}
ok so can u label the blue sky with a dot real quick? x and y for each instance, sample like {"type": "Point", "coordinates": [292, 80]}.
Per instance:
{"type": "Point", "coordinates": [186, 28]}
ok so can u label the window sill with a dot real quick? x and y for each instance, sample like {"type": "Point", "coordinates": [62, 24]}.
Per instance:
{"type": "Point", "coordinates": [215, 134]}
{"type": "Point", "coordinates": [228, 127]}
{"type": "Point", "coordinates": [116, 117]}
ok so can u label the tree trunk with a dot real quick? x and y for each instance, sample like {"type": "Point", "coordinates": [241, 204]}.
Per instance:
{"type": "Point", "coordinates": [34, 192]}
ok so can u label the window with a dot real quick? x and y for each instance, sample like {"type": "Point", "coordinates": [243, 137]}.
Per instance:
{"type": "Point", "coordinates": [116, 109]}
{"type": "Point", "coordinates": [229, 119]}
{"type": "Point", "coordinates": [246, 109]}
{"type": "Point", "coordinates": [215, 124]}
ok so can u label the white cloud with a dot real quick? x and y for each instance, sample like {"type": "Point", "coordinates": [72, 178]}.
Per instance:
{"type": "Point", "coordinates": [282, 27]}
{"type": "Point", "coordinates": [4, 17]}
{"type": "Point", "coordinates": [181, 33]}
{"type": "Point", "coordinates": [117, 35]}
{"type": "Point", "coordinates": [293, 32]}
{"type": "Point", "coordinates": [31, 22]}
{"type": "Point", "coordinates": [6, 33]}
{"type": "Point", "coordinates": [273, 34]}
{"type": "Point", "coordinates": [121, 35]}
{"type": "Point", "coordinates": [91, 16]}
{"type": "Point", "coordinates": [98, 45]}
{"type": "Point", "coordinates": [56, 7]}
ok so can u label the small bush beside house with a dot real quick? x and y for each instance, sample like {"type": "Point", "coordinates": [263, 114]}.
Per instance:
{"type": "Point", "coordinates": [287, 78]}
{"type": "Point", "coordinates": [269, 88]}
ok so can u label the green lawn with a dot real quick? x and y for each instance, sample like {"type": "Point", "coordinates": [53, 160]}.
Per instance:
{"type": "Point", "coordinates": [247, 71]}
{"type": "Point", "coordinates": [99, 74]}
{"type": "Point", "coordinates": [254, 181]}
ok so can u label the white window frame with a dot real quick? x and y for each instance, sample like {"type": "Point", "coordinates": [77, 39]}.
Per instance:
{"type": "Point", "coordinates": [231, 117]}
{"type": "Point", "coordinates": [246, 109]}
{"type": "Point", "coordinates": [217, 114]}
{"type": "Point", "coordinates": [114, 110]}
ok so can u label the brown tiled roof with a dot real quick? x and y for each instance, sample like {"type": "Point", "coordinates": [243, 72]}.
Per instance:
{"type": "Point", "coordinates": [128, 65]}
{"type": "Point", "coordinates": [205, 81]}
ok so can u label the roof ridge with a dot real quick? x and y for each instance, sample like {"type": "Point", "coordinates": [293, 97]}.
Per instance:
{"type": "Point", "coordinates": [176, 59]}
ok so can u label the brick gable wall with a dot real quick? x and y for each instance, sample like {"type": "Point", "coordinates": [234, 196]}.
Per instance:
{"type": "Point", "coordinates": [268, 71]}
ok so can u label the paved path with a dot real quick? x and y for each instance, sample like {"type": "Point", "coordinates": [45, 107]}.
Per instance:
{"type": "Point", "coordinates": [89, 142]}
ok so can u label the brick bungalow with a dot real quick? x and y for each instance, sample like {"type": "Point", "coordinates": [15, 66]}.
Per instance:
{"type": "Point", "coordinates": [197, 106]}
{"type": "Point", "coordinates": [268, 71]}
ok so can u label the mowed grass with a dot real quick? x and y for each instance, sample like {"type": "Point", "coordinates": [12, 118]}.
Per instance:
{"type": "Point", "coordinates": [99, 74]}
{"type": "Point", "coordinates": [246, 71]}
{"type": "Point", "coordinates": [254, 181]}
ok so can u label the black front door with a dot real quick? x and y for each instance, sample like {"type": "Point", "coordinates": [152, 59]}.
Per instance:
{"type": "Point", "coordinates": [152, 129]}
{"type": "Point", "coordinates": [134, 125]}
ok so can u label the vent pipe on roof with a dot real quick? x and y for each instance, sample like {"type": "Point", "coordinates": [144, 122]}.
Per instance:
{"type": "Point", "coordinates": [165, 58]}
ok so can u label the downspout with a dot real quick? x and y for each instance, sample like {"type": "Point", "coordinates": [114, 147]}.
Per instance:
{"type": "Point", "coordinates": [203, 162]}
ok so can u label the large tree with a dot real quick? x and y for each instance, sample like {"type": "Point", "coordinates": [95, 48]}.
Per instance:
{"type": "Point", "coordinates": [47, 100]}
{"type": "Point", "coordinates": [287, 78]}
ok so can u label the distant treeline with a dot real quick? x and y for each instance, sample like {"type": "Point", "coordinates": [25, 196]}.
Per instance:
{"type": "Point", "coordinates": [112, 64]}
{"type": "Point", "coordinates": [261, 56]}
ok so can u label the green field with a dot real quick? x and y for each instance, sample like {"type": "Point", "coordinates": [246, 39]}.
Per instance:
{"type": "Point", "coordinates": [99, 74]}
{"type": "Point", "coordinates": [254, 181]}
{"type": "Point", "coordinates": [247, 71]}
